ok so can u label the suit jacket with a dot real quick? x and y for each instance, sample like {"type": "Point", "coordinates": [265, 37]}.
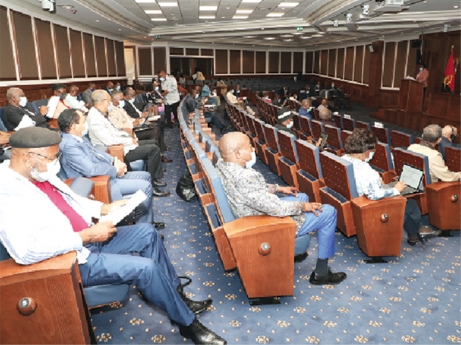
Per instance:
{"type": "Point", "coordinates": [106, 89]}
{"type": "Point", "coordinates": [86, 96]}
{"type": "Point", "coordinates": [13, 116]}
{"type": "Point", "coordinates": [131, 110]}
{"type": "Point", "coordinates": [103, 132]}
{"type": "Point", "coordinates": [80, 158]}
{"type": "Point", "coordinates": [281, 127]}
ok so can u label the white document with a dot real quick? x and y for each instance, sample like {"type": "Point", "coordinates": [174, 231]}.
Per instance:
{"type": "Point", "coordinates": [154, 118]}
{"type": "Point", "coordinates": [117, 215]}
{"type": "Point", "coordinates": [379, 125]}
{"type": "Point", "coordinates": [25, 122]}
{"type": "Point", "coordinates": [347, 116]}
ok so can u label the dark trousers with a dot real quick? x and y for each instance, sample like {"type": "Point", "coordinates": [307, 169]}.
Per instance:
{"type": "Point", "coordinates": [412, 218]}
{"type": "Point", "coordinates": [214, 120]}
{"type": "Point", "coordinates": [171, 108]}
{"type": "Point", "coordinates": [150, 153]}
{"type": "Point", "coordinates": [155, 132]}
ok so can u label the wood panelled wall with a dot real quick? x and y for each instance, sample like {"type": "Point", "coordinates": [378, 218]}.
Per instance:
{"type": "Point", "coordinates": [33, 49]}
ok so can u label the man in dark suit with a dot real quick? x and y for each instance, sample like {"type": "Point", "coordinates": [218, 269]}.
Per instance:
{"type": "Point", "coordinates": [86, 95]}
{"type": "Point", "coordinates": [109, 88]}
{"type": "Point", "coordinates": [80, 158]}
{"type": "Point", "coordinates": [18, 116]}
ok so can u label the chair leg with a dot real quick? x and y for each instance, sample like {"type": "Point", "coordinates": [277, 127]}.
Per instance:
{"type": "Point", "coordinates": [376, 260]}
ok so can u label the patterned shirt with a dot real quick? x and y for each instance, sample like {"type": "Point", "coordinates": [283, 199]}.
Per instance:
{"type": "Point", "coordinates": [249, 195]}
{"type": "Point", "coordinates": [170, 85]}
{"type": "Point", "coordinates": [368, 181]}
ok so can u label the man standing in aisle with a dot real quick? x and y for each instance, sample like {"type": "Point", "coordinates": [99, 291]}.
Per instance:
{"type": "Point", "coordinates": [171, 95]}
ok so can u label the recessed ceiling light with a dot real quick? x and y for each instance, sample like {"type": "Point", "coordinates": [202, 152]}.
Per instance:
{"type": "Point", "coordinates": [251, 1]}
{"type": "Point", "coordinates": [97, 20]}
{"type": "Point", "coordinates": [288, 40]}
{"type": "Point", "coordinates": [289, 4]}
{"type": "Point", "coordinates": [249, 36]}
{"type": "Point", "coordinates": [275, 14]}
{"type": "Point", "coordinates": [269, 38]}
{"type": "Point", "coordinates": [153, 11]}
{"type": "Point", "coordinates": [158, 19]}
{"type": "Point", "coordinates": [223, 17]}
{"type": "Point", "coordinates": [305, 37]}
{"type": "Point", "coordinates": [239, 17]}
{"type": "Point", "coordinates": [286, 35]}
{"type": "Point", "coordinates": [243, 11]}
{"type": "Point", "coordinates": [297, 33]}
{"type": "Point", "coordinates": [206, 17]}
{"type": "Point", "coordinates": [208, 8]}
{"type": "Point", "coordinates": [316, 35]}
{"type": "Point", "coordinates": [145, 1]}
{"type": "Point", "coordinates": [168, 4]}
{"type": "Point", "coordinates": [119, 29]}
{"type": "Point", "coordinates": [455, 6]}
{"type": "Point", "coordinates": [67, 7]}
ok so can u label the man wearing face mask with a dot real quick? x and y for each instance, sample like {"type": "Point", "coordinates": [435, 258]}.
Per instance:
{"type": "Point", "coordinates": [72, 99]}
{"type": "Point", "coordinates": [103, 132]}
{"type": "Point", "coordinates": [18, 116]}
{"type": "Point", "coordinates": [56, 103]}
{"type": "Point", "coordinates": [285, 122]}
{"type": "Point", "coordinates": [103, 251]}
{"type": "Point", "coordinates": [250, 195]}
{"type": "Point", "coordinates": [449, 136]}
{"type": "Point", "coordinates": [171, 98]}
{"type": "Point", "coordinates": [109, 87]}
{"type": "Point", "coordinates": [306, 108]}
{"type": "Point", "coordinates": [86, 95]}
{"type": "Point", "coordinates": [80, 158]}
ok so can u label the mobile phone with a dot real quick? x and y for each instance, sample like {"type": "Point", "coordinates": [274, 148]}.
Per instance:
{"type": "Point", "coordinates": [323, 140]}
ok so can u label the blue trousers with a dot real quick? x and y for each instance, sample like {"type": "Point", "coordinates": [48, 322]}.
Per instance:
{"type": "Point", "coordinates": [325, 224]}
{"type": "Point", "coordinates": [130, 184]}
{"type": "Point", "coordinates": [151, 272]}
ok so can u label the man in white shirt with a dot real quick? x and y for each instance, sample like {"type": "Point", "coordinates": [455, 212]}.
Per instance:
{"type": "Point", "coordinates": [58, 90]}
{"type": "Point", "coordinates": [30, 184]}
{"type": "Point", "coordinates": [171, 96]}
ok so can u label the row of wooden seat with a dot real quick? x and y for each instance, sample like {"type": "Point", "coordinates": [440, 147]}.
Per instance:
{"type": "Point", "coordinates": [261, 248]}
{"type": "Point", "coordinates": [319, 175]}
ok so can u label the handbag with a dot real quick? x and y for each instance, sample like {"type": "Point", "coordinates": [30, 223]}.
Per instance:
{"type": "Point", "coordinates": [186, 188]}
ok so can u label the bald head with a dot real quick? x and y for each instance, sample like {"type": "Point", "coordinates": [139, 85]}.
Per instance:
{"type": "Point", "coordinates": [450, 132]}
{"type": "Point", "coordinates": [325, 114]}
{"type": "Point", "coordinates": [306, 103]}
{"type": "Point", "coordinates": [101, 100]}
{"type": "Point", "coordinates": [230, 146]}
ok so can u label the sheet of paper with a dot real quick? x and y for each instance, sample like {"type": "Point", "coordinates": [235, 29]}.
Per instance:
{"type": "Point", "coordinates": [117, 215]}
{"type": "Point", "coordinates": [154, 118]}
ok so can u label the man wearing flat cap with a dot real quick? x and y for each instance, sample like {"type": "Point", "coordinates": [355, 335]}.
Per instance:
{"type": "Point", "coordinates": [285, 121]}
{"type": "Point", "coordinates": [31, 195]}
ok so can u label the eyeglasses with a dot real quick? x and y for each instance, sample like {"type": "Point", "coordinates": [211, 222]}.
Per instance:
{"type": "Point", "coordinates": [48, 158]}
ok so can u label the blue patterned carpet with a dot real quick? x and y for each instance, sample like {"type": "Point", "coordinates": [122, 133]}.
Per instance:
{"type": "Point", "coordinates": [415, 298]}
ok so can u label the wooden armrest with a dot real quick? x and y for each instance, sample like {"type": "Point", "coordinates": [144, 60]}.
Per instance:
{"type": "Point", "coordinates": [101, 190]}
{"type": "Point", "coordinates": [438, 186]}
{"type": "Point", "coordinates": [116, 151]}
{"type": "Point", "coordinates": [363, 201]}
{"type": "Point", "coordinates": [11, 272]}
{"type": "Point", "coordinates": [53, 123]}
{"type": "Point", "coordinates": [257, 224]}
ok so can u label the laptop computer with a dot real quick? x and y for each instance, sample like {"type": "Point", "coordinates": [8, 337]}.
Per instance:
{"type": "Point", "coordinates": [412, 177]}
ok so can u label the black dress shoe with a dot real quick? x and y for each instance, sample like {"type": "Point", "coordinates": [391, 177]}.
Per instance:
{"type": "Point", "coordinates": [159, 193]}
{"type": "Point", "coordinates": [301, 257]}
{"type": "Point", "coordinates": [199, 334]}
{"type": "Point", "coordinates": [330, 278]}
{"type": "Point", "coordinates": [195, 306]}
{"type": "Point", "coordinates": [158, 183]}
{"type": "Point", "coordinates": [166, 160]}
{"type": "Point", "coordinates": [159, 225]}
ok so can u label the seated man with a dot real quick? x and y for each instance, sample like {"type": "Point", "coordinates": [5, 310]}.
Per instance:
{"type": "Point", "coordinates": [80, 158]}
{"type": "Point", "coordinates": [58, 221]}
{"type": "Point", "coordinates": [306, 108]}
{"type": "Point", "coordinates": [72, 99]}
{"type": "Point", "coordinates": [432, 135]}
{"type": "Point", "coordinates": [285, 121]}
{"type": "Point", "coordinates": [55, 106]}
{"type": "Point", "coordinates": [145, 130]}
{"type": "Point", "coordinates": [449, 135]}
{"type": "Point", "coordinates": [109, 87]}
{"type": "Point", "coordinates": [325, 117]}
{"type": "Point", "coordinates": [86, 95]}
{"type": "Point", "coordinates": [102, 132]}
{"type": "Point", "coordinates": [249, 195]}
{"type": "Point", "coordinates": [16, 114]}
{"type": "Point", "coordinates": [191, 105]}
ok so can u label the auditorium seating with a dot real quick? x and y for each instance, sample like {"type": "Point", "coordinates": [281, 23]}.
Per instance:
{"type": "Point", "coordinates": [261, 248]}
{"type": "Point", "coordinates": [309, 174]}
{"type": "Point", "coordinates": [401, 139]}
{"type": "Point", "coordinates": [288, 162]}
{"type": "Point", "coordinates": [382, 162]}
{"type": "Point", "coordinates": [273, 148]}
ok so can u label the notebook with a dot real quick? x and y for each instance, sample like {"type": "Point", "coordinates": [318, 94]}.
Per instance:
{"type": "Point", "coordinates": [412, 177]}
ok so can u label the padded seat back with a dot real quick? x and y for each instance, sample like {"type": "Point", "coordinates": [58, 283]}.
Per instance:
{"type": "Point", "coordinates": [382, 134]}
{"type": "Point", "coordinates": [382, 158]}
{"type": "Point", "coordinates": [345, 134]}
{"type": "Point", "coordinates": [338, 175]}
{"type": "Point", "coordinates": [296, 122]}
{"type": "Point", "coordinates": [272, 137]}
{"type": "Point", "coordinates": [334, 140]}
{"type": "Point", "coordinates": [317, 128]}
{"type": "Point", "coordinates": [453, 158]}
{"type": "Point", "coordinates": [309, 158]}
{"type": "Point", "coordinates": [348, 124]}
{"type": "Point", "coordinates": [305, 125]}
{"type": "Point", "coordinates": [401, 139]}
{"type": "Point", "coordinates": [338, 121]}
{"type": "Point", "coordinates": [259, 127]}
{"type": "Point", "coordinates": [287, 146]}
{"type": "Point", "coordinates": [363, 124]}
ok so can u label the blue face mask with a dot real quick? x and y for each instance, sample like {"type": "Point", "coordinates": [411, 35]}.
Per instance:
{"type": "Point", "coordinates": [110, 107]}
{"type": "Point", "coordinates": [370, 157]}
{"type": "Point", "coordinates": [85, 131]}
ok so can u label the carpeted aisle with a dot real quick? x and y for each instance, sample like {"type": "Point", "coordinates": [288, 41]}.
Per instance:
{"type": "Point", "coordinates": [415, 298]}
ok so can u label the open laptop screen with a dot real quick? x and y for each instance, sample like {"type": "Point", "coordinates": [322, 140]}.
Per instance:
{"type": "Point", "coordinates": [411, 176]}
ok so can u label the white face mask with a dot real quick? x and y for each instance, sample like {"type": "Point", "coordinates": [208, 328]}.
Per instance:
{"type": "Point", "coordinates": [52, 170]}
{"type": "Point", "coordinates": [22, 101]}
{"type": "Point", "coordinates": [156, 88]}
{"type": "Point", "coordinates": [369, 157]}
{"type": "Point", "coordinates": [290, 125]}
{"type": "Point", "coordinates": [252, 161]}
{"type": "Point", "coordinates": [117, 88]}
{"type": "Point", "coordinates": [121, 104]}
{"type": "Point", "coordinates": [162, 79]}
{"type": "Point", "coordinates": [85, 131]}
{"type": "Point", "coordinates": [420, 68]}
{"type": "Point", "coordinates": [196, 96]}
{"type": "Point", "coordinates": [111, 106]}
{"type": "Point", "coordinates": [131, 100]}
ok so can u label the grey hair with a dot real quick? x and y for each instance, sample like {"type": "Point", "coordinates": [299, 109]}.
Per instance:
{"type": "Point", "coordinates": [432, 133]}
{"type": "Point", "coordinates": [98, 96]}
{"type": "Point", "coordinates": [325, 114]}
{"type": "Point", "coordinates": [11, 91]}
